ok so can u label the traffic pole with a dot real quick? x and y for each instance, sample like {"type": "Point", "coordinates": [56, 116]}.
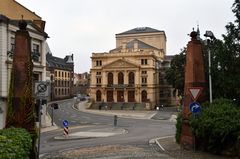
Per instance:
{"type": "Point", "coordinates": [65, 131]}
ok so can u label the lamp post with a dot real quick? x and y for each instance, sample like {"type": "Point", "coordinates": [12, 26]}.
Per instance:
{"type": "Point", "coordinates": [211, 36]}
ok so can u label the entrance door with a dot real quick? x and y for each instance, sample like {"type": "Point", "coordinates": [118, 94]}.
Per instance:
{"type": "Point", "coordinates": [109, 96]}
{"type": "Point", "coordinates": [120, 96]}
{"type": "Point", "coordinates": [131, 96]}
{"type": "Point", "coordinates": [98, 96]}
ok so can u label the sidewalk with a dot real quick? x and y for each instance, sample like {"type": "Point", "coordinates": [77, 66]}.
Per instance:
{"type": "Point", "coordinates": [171, 148]}
{"type": "Point", "coordinates": [136, 114]}
{"type": "Point", "coordinates": [48, 124]}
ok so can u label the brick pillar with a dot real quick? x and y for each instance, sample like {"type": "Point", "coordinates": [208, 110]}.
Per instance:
{"type": "Point", "coordinates": [21, 62]}
{"type": "Point", "coordinates": [194, 77]}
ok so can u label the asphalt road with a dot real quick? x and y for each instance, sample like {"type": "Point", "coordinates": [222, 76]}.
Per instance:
{"type": "Point", "coordinates": [140, 131]}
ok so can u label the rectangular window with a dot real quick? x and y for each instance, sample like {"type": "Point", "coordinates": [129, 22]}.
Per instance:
{"type": "Point", "coordinates": [36, 52]}
{"type": "Point", "coordinates": [144, 72]}
{"type": "Point", "coordinates": [161, 93]}
{"type": "Point", "coordinates": [143, 61]}
{"type": "Point", "coordinates": [99, 81]}
{"type": "Point", "coordinates": [12, 44]}
{"type": "Point", "coordinates": [98, 73]}
{"type": "Point", "coordinates": [35, 48]}
{"type": "Point", "coordinates": [98, 63]}
{"type": "Point", "coordinates": [144, 80]}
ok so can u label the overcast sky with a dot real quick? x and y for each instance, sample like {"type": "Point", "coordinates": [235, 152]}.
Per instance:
{"type": "Point", "coordinates": [82, 27]}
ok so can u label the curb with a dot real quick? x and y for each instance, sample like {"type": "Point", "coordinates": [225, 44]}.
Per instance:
{"type": "Point", "coordinates": [112, 114]}
{"type": "Point", "coordinates": [61, 137]}
{"type": "Point", "coordinates": [155, 140]}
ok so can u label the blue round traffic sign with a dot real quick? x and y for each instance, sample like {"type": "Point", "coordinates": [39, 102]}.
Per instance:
{"type": "Point", "coordinates": [65, 123]}
{"type": "Point", "coordinates": [195, 107]}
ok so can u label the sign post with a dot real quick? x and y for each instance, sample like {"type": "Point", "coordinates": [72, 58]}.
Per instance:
{"type": "Point", "coordinates": [41, 89]}
{"type": "Point", "coordinates": [195, 108]}
{"type": "Point", "coordinates": [65, 128]}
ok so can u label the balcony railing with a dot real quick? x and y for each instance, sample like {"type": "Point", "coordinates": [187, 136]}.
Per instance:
{"type": "Point", "coordinates": [120, 85]}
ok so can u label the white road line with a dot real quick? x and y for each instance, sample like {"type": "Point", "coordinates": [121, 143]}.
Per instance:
{"type": "Point", "coordinates": [156, 141]}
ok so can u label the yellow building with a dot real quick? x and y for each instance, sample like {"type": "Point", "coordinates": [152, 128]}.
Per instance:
{"type": "Point", "coordinates": [61, 76]}
{"type": "Point", "coordinates": [130, 72]}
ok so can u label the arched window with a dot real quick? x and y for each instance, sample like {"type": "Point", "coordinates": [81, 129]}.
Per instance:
{"type": "Point", "coordinates": [120, 78]}
{"type": "Point", "coordinates": [144, 96]}
{"type": "Point", "coordinates": [98, 96]}
{"type": "Point", "coordinates": [110, 78]}
{"type": "Point", "coordinates": [131, 78]}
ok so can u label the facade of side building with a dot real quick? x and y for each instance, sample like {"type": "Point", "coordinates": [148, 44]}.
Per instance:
{"type": "Point", "coordinates": [10, 13]}
{"type": "Point", "coordinates": [61, 72]}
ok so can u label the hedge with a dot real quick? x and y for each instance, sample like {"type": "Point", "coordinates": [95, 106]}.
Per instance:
{"type": "Point", "coordinates": [15, 143]}
{"type": "Point", "coordinates": [216, 127]}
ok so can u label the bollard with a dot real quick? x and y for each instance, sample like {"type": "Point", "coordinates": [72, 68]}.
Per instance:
{"type": "Point", "coordinates": [115, 120]}
{"type": "Point", "coordinates": [65, 131]}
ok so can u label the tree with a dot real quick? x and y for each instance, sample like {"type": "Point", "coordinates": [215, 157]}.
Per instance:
{"type": "Point", "coordinates": [175, 74]}
{"type": "Point", "coordinates": [225, 62]}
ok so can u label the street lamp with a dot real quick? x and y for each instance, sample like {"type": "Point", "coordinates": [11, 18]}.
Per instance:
{"type": "Point", "coordinates": [211, 36]}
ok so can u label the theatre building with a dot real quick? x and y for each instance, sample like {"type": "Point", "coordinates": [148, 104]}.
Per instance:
{"type": "Point", "coordinates": [130, 72]}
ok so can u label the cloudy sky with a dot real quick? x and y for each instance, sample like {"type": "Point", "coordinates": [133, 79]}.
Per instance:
{"type": "Point", "coordinates": [82, 27]}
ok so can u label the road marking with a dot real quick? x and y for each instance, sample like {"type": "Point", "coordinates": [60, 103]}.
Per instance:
{"type": "Point", "coordinates": [156, 141]}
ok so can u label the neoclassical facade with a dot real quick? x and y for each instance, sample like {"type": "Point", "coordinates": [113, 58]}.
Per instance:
{"type": "Point", "coordinates": [130, 72]}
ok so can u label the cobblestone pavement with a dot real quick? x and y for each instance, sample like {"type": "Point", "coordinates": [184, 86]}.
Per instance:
{"type": "Point", "coordinates": [110, 152]}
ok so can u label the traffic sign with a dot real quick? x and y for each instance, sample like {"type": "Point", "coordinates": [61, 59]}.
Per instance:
{"type": "Point", "coordinates": [195, 92]}
{"type": "Point", "coordinates": [195, 107]}
{"type": "Point", "coordinates": [65, 123]}
{"type": "Point", "coordinates": [41, 89]}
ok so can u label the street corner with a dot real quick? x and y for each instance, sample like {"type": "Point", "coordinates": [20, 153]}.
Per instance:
{"type": "Point", "coordinates": [173, 118]}
{"type": "Point", "coordinates": [168, 144]}
{"type": "Point", "coordinates": [165, 143]}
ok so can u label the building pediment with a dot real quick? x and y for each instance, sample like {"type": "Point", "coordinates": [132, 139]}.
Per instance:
{"type": "Point", "coordinates": [120, 63]}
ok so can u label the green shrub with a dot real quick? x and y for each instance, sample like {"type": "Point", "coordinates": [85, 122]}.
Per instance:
{"type": "Point", "coordinates": [178, 128]}
{"type": "Point", "coordinates": [15, 143]}
{"type": "Point", "coordinates": [217, 127]}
